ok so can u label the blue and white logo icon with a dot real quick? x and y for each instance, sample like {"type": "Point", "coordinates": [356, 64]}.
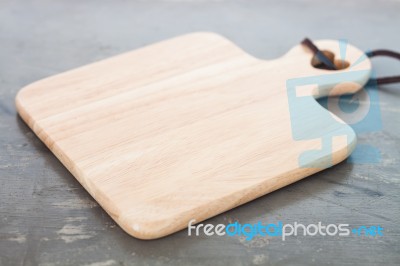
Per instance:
{"type": "Point", "coordinates": [360, 111]}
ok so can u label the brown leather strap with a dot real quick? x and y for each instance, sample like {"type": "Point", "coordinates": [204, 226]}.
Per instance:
{"type": "Point", "coordinates": [329, 64]}
{"type": "Point", "coordinates": [388, 53]}
{"type": "Point", "coordinates": [320, 55]}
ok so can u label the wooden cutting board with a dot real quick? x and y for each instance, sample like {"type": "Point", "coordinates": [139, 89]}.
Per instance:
{"type": "Point", "coordinates": [189, 127]}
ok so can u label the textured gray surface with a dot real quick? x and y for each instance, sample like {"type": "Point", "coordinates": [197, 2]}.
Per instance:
{"type": "Point", "coordinates": [47, 218]}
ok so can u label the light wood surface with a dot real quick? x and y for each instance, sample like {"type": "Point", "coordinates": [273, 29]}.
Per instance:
{"type": "Point", "coordinates": [183, 129]}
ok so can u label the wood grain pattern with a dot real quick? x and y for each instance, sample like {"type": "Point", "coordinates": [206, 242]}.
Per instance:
{"type": "Point", "coordinates": [183, 129]}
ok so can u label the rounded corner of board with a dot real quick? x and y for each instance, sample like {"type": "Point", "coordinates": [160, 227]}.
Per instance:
{"type": "Point", "coordinates": [21, 98]}
{"type": "Point", "coordinates": [24, 92]}
{"type": "Point", "coordinates": [143, 230]}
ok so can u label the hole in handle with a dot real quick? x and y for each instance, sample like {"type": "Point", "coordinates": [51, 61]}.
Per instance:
{"type": "Point", "coordinates": [339, 64]}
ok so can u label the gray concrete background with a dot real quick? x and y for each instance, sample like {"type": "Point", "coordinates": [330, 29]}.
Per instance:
{"type": "Point", "coordinates": [47, 218]}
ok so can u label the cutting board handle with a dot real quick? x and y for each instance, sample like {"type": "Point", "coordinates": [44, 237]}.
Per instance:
{"type": "Point", "coordinates": [354, 75]}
